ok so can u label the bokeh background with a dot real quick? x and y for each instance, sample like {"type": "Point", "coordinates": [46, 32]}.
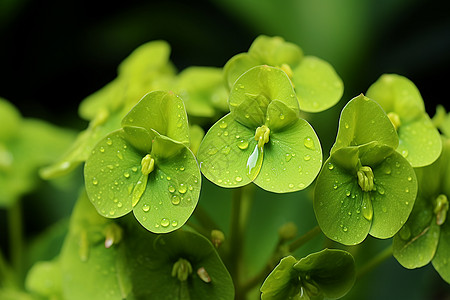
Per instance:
{"type": "Point", "coordinates": [55, 53]}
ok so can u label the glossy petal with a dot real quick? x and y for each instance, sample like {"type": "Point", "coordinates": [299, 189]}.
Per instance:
{"type": "Point", "coordinates": [224, 153]}
{"type": "Point", "coordinates": [442, 258]}
{"type": "Point", "coordinates": [292, 159]}
{"type": "Point", "coordinates": [317, 85]}
{"type": "Point", "coordinates": [363, 121]}
{"type": "Point", "coordinates": [282, 283]}
{"type": "Point", "coordinates": [163, 112]}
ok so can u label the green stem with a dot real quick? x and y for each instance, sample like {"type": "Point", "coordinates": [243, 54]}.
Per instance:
{"type": "Point", "coordinates": [16, 236]}
{"type": "Point", "coordinates": [297, 243]}
{"type": "Point", "coordinates": [300, 241]}
{"type": "Point", "coordinates": [374, 262]}
{"type": "Point", "coordinates": [242, 199]}
{"type": "Point", "coordinates": [204, 219]}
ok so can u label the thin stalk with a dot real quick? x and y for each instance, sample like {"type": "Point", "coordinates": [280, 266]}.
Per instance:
{"type": "Point", "coordinates": [300, 241]}
{"type": "Point", "coordinates": [374, 262]}
{"type": "Point", "coordinates": [297, 243]}
{"type": "Point", "coordinates": [16, 241]}
{"type": "Point", "coordinates": [242, 199]}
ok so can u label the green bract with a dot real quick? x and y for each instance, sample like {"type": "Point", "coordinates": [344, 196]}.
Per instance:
{"type": "Point", "coordinates": [419, 140]}
{"type": "Point", "coordinates": [365, 186]}
{"type": "Point", "coordinates": [262, 139]}
{"type": "Point", "coordinates": [25, 146]}
{"type": "Point", "coordinates": [146, 166]}
{"type": "Point", "coordinates": [317, 85]}
{"type": "Point", "coordinates": [329, 273]}
{"type": "Point", "coordinates": [425, 236]}
{"type": "Point", "coordinates": [146, 69]}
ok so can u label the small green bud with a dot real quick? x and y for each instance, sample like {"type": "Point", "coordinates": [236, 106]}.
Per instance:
{"type": "Point", "coordinates": [395, 119]}
{"type": "Point", "coordinates": [217, 237]}
{"type": "Point", "coordinates": [113, 234]}
{"type": "Point", "coordinates": [262, 135]}
{"type": "Point", "coordinates": [148, 164]}
{"type": "Point", "coordinates": [182, 269]}
{"type": "Point", "coordinates": [365, 178]}
{"type": "Point", "coordinates": [440, 209]}
{"type": "Point", "coordinates": [288, 231]}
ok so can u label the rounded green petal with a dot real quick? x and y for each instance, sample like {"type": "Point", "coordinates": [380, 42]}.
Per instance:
{"type": "Point", "coordinates": [110, 173]}
{"type": "Point", "coordinates": [172, 192]}
{"type": "Point", "coordinates": [317, 84]}
{"type": "Point", "coordinates": [163, 112]}
{"type": "Point", "coordinates": [139, 137]}
{"type": "Point", "coordinates": [393, 199]}
{"type": "Point", "coordinates": [332, 270]}
{"type": "Point", "coordinates": [420, 142]}
{"type": "Point", "coordinates": [275, 51]}
{"type": "Point", "coordinates": [225, 152]}
{"type": "Point", "coordinates": [397, 94]}
{"type": "Point", "coordinates": [238, 65]}
{"type": "Point", "coordinates": [363, 121]}
{"type": "Point", "coordinates": [338, 205]}
{"type": "Point", "coordinates": [282, 283]}
{"type": "Point", "coordinates": [442, 258]}
{"type": "Point", "coordinates": [11, 119]}
{"type": "Point", "coordinates": [292, 159]}
{"type": "Point", "coordinates": [255, 90]}
{"type": "Point", "coordinates": [414, 246]}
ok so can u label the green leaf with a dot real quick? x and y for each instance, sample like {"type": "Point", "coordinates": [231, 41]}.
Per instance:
{"type": "Point", "coordinates": [224, 153]}
{"type": "Point", "coordinates": [397, 94]}
{"type": "Point", "coordinates": [172, 190]}
{"type": "Point", "coordinates": [11, 119]}
{"type": "Point", "coordinates": [255, 90]}
{"type": "Point", "coordinates": [44, 279]}
{"type": "Point", "coordinates": [152, 260]}
{"type": "Point", "coordinates": [282, 283]}
{"type": "Point", "coordinates": [332, 270]}
{"type": "Point", "coordinates": [363, 121]}
{"type": "Point", "coordinates": [414, 246]}
{"type": "Point", "coordinates": [202, 91]}
{"type": "Point", "coordinates": [342, 209]}
{"type": "Point", "coordinates": [163, 112]}
{"type": "Point", "coordinates": [420, 142]}
{"type": "Point", "coordinates": [393, 200]}
{"type": "Point", "coordinates": [338, 205]}
{"type": "Point", "coordinates": [292, 159]}
{"type": "Point", "coordinates": [87, 262]}
{"type": "Point", "coordinates": [317, 85]}
{"type": "Point", "coordinates": [441, 259]}
{"type": "Point", "coordinates": [139, 137]}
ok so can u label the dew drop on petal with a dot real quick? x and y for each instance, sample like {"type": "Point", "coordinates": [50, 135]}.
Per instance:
{"type": "Point", "coordinates": [309, 143]}
{"type": "Point", "coordinates": [175, 200]}
{"type": "Point", "coordinates": [307, 157]}
{"type": "Point", "coordinates": [238, 178]}
{"type": "Point", "coordinates": [165, 222]}
{"type": "Point", "coordinates": [182, 188]}
{"type": "Point", "coordinates": [146, 207]}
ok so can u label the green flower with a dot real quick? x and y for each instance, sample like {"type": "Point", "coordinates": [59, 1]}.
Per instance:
{"type": "Point", "coordinates": [263, 139]}
{"type": "Point", "coordinates": [425, 237]}
{"type": "Point", "coordinates": [365, 186]}
{"type": "Point", "coordinates": [419, 140]}
{"type": "Point", "coordinates": [316, 83]}
{"type": "Point", "coordinates": [146, 166]}
{"type": "Point", "coordinates": [329, 273]}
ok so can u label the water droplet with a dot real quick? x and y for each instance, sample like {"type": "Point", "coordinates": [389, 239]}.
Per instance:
{"type": "Point", "coordinates": [175, 200]}
{"type": "Point", "coordinates": [226, 150]}
{"type": "Point", "coordinates": [380, 190]}
{"type": "Point", "coordinates": [254, 162]}
{"type": "Point", "coordinates": [168, 178]}
{"type": "Point", "coordinates": [281, 117]}
{"type": "Point", "coordinates": [126, 175]}
{"type": "Point", "coordinates": [309, 143]}
{"type": "Point", "coordinates": [387, 170]}
{"type": "Point", "coordinates": [409, 178]}
{"type": "Point", "coordinates": [345, 229]}
{"type": "Point", "coordinates": [165, 222]}
{"type": "Point", "coordinates": [181, 168]}
{"type": "Point", "coordinates": [397, 164]}
{"type": "Point", "coordinates": [119, 205]}
{"type": "Point", "coordinates": [405, 153]}
{"type": "Point", "coordinates": [145, 207]}
{"type": "Point", "coordinates": [243, 144]}
{"type": "Point", "coordinates": [225, 133]}
{"type": "Point", "coordinates": [182, 188]}
{"type": "Point", "coordinates": [134, 169]}
{"type": "Point", "coordinates": [407, 190]}
{"type": "Point", "coordinates": [347, 193]}
{"type": "Point", "coordinates": [238, 178]}
{"type": "Point", "coordinates": [179, 124]}
{"type": "Point", "coordinates": [288, 157]}
{"type": "Point", "coordinates": [112, 212]}
{"type": "Point", "coordinates": [212, 151]}
{"type": "Point", "coordinates": [247, 116]}
{"type": "Point", "coordinates": [223, 125]}
{"type": "Point", "coordinates": [291, 185]}
{"type": "Point", "coordinates": [384, 209]}
{"type": "Point", "coordinates": [108, 141]}
{"type": "Point", "coordinates": [119, 155]}
{"type": "Point", "coordinates": [330, 166]}
{"type": "Point", "coordinates": [94, 181]}
{"type": "Point", "coordinates": [346, 125]}
{"type": "Point", "coordinates": [171, 189]}
{"type": "Point", "coordinates": [301, 185]}
{"type": "Point", "coordinates": [307, 157]}
{"type": "Point", "coordinates": [102, 149]}
{"type": "Point", "coordinates": [174, 223]}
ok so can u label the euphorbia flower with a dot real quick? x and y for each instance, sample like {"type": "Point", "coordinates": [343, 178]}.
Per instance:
{"type": "Point", "coordinates": [262, 139]}
{"type": "Point", "coordinates": [365, 186]}
{"type": "Point", "coordinates": [146, 166]}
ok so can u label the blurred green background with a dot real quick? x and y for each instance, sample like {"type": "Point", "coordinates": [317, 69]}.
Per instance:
{"type": "Point", "coordinates": [55, 53]}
